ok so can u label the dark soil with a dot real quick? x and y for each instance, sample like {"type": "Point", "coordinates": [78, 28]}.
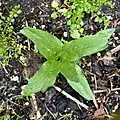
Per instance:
{"type": "Point", "coordinates": [102, 70]}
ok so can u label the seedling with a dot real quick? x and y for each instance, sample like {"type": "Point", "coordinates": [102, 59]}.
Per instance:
{"type": "Point", "coordinates": [76, 11]}
{"type": "Point", "coordinates": [8, 44]}
{"type": "Point", "coordinates": [61, 58]}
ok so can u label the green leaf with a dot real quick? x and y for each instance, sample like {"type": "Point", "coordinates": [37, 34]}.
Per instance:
{"type": "Point", "coordinates": [88, 44]}
{"type": "Point", "coordinates": [54, 4]}
{"type": "Point", "coordinates": [81, 30]}
{"type": "Point", "coordinates": [82, 86]}
{"type": "Point", "coordinates": [6, 117]}
{"type": "Point", "coordinates": [54, 15]}
{"type": "Point", "coordinates": [2, 51]}
{"type": "Point", "coordinates": [75, 34]}
{"type": "Point", "coordinates": [43, 79]}
{"type": "Point", "coordinates": [69, 71]}
{"type": "Point", "coordinates": [47, 44]}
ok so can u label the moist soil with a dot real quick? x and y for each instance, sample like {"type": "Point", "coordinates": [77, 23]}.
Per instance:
{"type": "Point", "coordinates": [102, 70]}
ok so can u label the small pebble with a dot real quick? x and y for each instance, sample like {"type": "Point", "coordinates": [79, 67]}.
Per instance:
{"type": "Point", "coordinates": [42, 26]}
{"type": "Point", "coordinates": [98, 54]}
{"type": "Point", "coordinates": [13, 88]}
{"type": "Point", "coordinates": [32, 10]}
{"type": "Point", "coordinates": [46, 6]}
{"type": "Point", "coordinates": [115, 108]}
{"type": "Point", "coordinates": [40, 12]}
{"type": "Point", "coordinates": [42, 4]}
{"type": "Point", "coordinates": [109, 17]}
{"type": "Point", "coordinates": [65, 34]}
{"type": "Point", "coordinates": [116, 38]}
{"type": "Point", "coordinates": [27, 103]}
{"type": "Point", "coordinates": [116, 92]}
{"type": "Point", "coordinates": [16, 78]}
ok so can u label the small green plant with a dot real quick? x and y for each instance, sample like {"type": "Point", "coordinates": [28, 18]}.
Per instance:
{"type": "Point", "coordinates": [76, 10]}
{"type": "Point", "coordinates": [5, 117]}
{"type": "Point", "coordinates": [5, 111]}
{"type": "Point", "coordinates": [7, 37]}
{"type": "Point", "coordinates": [61, 58]}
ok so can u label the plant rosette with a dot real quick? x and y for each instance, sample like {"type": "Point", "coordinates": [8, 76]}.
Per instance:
{"type": "Point", "coordinates": [61, 58]}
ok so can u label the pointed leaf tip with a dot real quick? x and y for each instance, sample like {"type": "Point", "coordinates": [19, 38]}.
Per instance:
{"type": "Point", "coordinates": [88, 45]}
{"type": "Point", "coordinates": [46, 43]}
{"type": "Point", "coordinates": [81, 86]}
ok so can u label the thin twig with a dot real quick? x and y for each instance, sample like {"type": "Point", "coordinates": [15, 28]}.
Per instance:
{"type": "Point", "coordinates": [35, 107]}
{"type": "Point", "coordinates": [95, 102]}
{"type": "Point", "coordinates": [114, 50]}
{"type": "Point", "coordinates": [70, 97]}
{"type": "Point", "coordinates": [43, 116]}
{"type": "Point", "coordinates": [26, 23]}
{"type": "Point", "coordinates": [107, 113]}
{"type": "Point", "coordinates": [14, 103]}
{"type": "Point", "coordinates": [115, 89]}
{"type": "Point", "coordinates": [109, 54]}
{"type": "Point", "coordinates": [50, 111]}
{"type": "Point", "coordinates": [101, 91]}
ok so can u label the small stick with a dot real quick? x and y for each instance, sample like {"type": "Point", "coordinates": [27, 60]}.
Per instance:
{"type": "Point", "coordinates": [35, 107]}
{"type": "Point", "coordinates": [109, 53]}
{"type": "Point", "coordinates": [115, 89]}
{"type": "Point", "coordinates": [14, 103]}
{"type": "Point", "coordinates": [26, 23]}
{"type": "Point", "coordinates": [72, 98]}
{"type": "Point", "coordinates": [114, 50]}
{"type": "Point", "coordinates": [100, 91]}
{"type": "Point", "coordinates": [50, 112]}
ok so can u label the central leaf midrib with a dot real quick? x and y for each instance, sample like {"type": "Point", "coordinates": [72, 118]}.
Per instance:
{"type": "Point", "coordinates": [43, 45]}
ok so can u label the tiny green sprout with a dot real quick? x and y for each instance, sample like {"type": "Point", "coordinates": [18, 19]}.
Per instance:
{"type": "Point", "coordinates": [61, 58]}
{"type": "Point", "coordinates": [75, 34]}
{"type": "Point", "coordinates": [54, 4]}
{"type": "Point", "coordinates": [54, 15]}
{"type": "Point", "coordinates": [78, 9]}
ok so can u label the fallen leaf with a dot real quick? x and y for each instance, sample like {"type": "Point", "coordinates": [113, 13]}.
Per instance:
{"type": "Point", "coordinates": [100, 113]}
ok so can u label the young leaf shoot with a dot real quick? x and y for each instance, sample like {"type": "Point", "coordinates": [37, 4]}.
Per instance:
{"type": "Point", "coordinates": [61, 59]}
